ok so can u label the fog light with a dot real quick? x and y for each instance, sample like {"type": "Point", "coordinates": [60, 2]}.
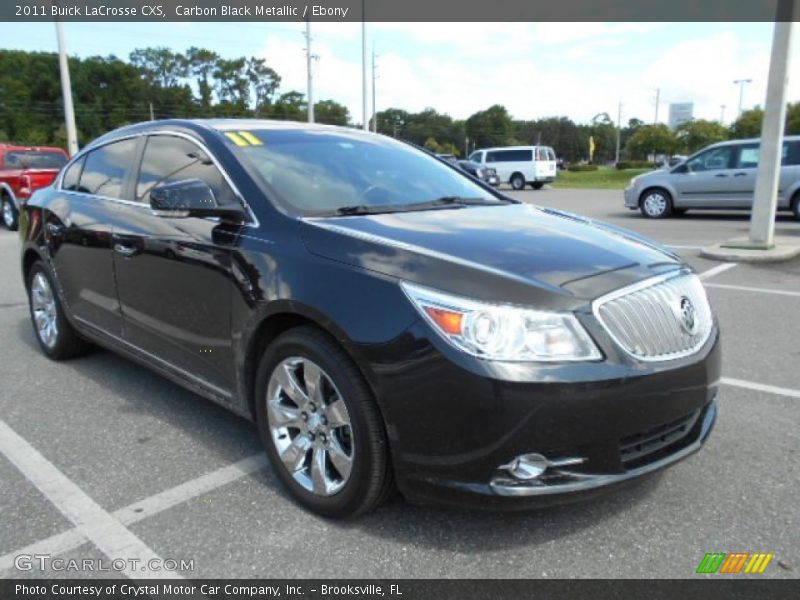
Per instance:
{"type": "Point", "coordinates": [530, 466]}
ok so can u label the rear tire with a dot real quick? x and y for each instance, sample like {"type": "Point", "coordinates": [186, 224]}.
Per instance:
{"type": "Point", "coordinates": [796, 206]}
{"type": "Point", "coordinates": [56, 336]}
{"type": "Point", "coordinates": [537, 185]}
{"type": "Point", "coordinates": [656, 203]}
{"type": "Point", "coordinates": [517, 181]}
{"type": "Point", "coordinates": [300, 426]}
{"type": "Point", "coordinates": [10, 214]}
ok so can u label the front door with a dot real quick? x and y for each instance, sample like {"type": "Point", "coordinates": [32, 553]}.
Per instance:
{"type": "Point", "coordinates": [706, 179]}
{"type": "Point", "coordinates": [174, 274]}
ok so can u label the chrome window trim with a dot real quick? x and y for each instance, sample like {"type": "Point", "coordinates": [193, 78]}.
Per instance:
{"type": "Point", "coordinates": [252, 219]}
{"type": "Point", "coordinates": [646, 283]}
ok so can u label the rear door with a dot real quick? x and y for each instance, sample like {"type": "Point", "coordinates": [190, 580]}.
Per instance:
{"type": "Point", "coordinates": [705, 182]}
{"type": "Point", "coordinates": [78, 227]}
{"type": "Point", "coordinates": [743, 183]}
{"type": "Point", "coordinates": [174, 274]}
{"type": "Point", "coordinates": [545, 162]}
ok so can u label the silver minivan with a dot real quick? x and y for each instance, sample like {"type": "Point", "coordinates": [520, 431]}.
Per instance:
{"type": "Point", "coordinates": [721, 176]}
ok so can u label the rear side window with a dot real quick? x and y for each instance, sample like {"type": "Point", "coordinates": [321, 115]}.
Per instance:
{"type": "Point", "coordinates": [748, 155]}
{"type": "Point", "coordinates": [791, 153]}
{"type": "Point", "coordinates": [35, 159]}
{"type": "Point", "coordinates": [105, 169]}
{"type": "Point", "coordinates": [509, 156]}
{"type": "Point", "coordinates": [168, 159]}
{"type": "Point", "coordinates": [72, 176]}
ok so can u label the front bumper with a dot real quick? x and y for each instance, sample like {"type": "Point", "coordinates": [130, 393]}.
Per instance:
{"type": "Point", "coordinates": [631, 197]}
{"type": "Point", "coordinates": [452, 427]}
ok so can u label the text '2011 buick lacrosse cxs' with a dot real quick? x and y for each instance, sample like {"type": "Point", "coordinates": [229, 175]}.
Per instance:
{"type": "Point", "coordinates": [387, 320]}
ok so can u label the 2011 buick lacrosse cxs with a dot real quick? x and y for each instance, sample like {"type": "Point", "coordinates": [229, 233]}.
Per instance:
{"type": "Point", "coordinates": [387, 320]}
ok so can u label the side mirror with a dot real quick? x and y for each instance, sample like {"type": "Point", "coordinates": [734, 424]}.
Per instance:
{"type": "Point", "coordinates": [191, 198]}
{"type": "Point", "coordinates": [681, 168]}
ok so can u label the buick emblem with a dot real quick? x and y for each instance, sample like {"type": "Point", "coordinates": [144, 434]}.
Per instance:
{"type": "Point", "coordinates": [687, 316]}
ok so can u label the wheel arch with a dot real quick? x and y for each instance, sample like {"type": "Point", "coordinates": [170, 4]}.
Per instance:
{"type": "Point", "coordinates": [29, 257]}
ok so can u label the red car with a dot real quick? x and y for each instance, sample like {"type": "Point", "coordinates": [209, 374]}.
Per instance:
{"type": "Point", "coordinates": [23, 170]}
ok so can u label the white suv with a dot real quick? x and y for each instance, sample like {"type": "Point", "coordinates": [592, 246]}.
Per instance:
{"type": "Point", "coordinates": [519, 165]}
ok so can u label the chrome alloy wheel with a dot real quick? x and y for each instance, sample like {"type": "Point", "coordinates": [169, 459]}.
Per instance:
{"type": "Point", "coordinates": [8, 213]}
{"type": "Point", "coordinates": [655, 204]}
{"type": "Point", "coordinates": [43, 305]}
{"type": "Point", "coordinates": [310, 426]}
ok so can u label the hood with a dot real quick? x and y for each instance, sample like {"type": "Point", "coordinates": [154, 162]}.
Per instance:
{"type": "Point", "coordinates": [492, 252]}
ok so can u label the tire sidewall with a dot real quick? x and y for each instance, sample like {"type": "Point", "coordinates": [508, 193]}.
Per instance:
{"type": "Point", "coordinates": [516, 178]}
{"type": "Point", "coordinates": [301, 343]}
{"type": "Point", "coordinates": [62, 324]}
{"type": "Point", "coordinates": [14, 214]}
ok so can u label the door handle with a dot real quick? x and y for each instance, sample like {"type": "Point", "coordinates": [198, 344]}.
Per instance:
{"type": "Point", "coordinates": [125, 250]}
{"type": "Point", "coordinates": [739, 174]}
{"type": "Point", "coordinates": [720, 175]}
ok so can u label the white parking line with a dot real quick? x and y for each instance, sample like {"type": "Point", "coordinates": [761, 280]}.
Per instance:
{"type": "Point", "coordinates": [683, 247]}
{"type": "Point", "coordinates": [745, 288]}
{"type": "Point", "coordinates": [69, 540]}
{"type": "Point", "coordinates": [114, 539]}
{"type": "Point", "coordinates": [761, 387]}
{"type": "Point", "coordinates": [714, 271]}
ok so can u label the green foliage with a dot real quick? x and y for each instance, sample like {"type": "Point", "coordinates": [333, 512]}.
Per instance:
{"type": "Point", "coordinates": [699, 133]}
{"type": "Point", "coordinates": [748, 124]}
{"type": "Point", "coordinates": [581, 168]}
{"type": "Point", "coordinates": [491, 127]}
{"type": "Point", "coordinates": [652, 139]}
{"type": "Point", "coordinates": [793, 119]}
{"type": "Point", "coordinates": [441, 148]}
{"type": "Point", "coordinates": [634, 164]}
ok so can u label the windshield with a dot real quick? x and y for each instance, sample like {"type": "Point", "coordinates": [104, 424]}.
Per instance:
{"type": "Point", "coordinates": [321, 172]}
{"type": "Point", "coordinates": [35, 160]}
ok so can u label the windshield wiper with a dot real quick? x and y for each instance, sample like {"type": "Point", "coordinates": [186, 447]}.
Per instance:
{"type": "Point", "coordinates": [438, 203]}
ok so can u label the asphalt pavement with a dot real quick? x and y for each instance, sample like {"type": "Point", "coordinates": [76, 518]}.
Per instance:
{"type": "Point", "coordinates": [172, 474]}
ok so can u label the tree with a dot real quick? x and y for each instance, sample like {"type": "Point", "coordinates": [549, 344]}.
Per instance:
{"type": "Point", "coordinates": [264, 81]}
{"type": "Point", "coordinates": [793, 119]}
{"type": "Point", "coordinates": [201, 63]}
{"type": "Point", "coordinates": [651, 139]}
{"type": "Point", "coordinates": [331, 113]}
{"type": "Point", "coordinates": [491, 127]}
{"type": "Point", "coordinates": [160, 65]}
{"type": "Point", "coordinates": [699, 133]}
{"type": "Point", "coordinates": [748, 124]}
{"type": "Point", "coordinates": [290, 106]}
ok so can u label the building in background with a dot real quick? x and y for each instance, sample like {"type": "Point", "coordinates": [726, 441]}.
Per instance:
{"type": "Point", "coordinates": [680, 112]}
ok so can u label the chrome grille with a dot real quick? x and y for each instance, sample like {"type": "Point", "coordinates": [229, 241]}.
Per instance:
{"type": "Point", "coordinates": [650, 320]}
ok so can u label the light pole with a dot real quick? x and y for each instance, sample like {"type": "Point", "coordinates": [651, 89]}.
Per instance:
{"type": "Point", "coordinates": [365, 122]}
{"type": "Point", "coordinates": [66, 91]}
{"type": "Point", "coordinates": [309, 58]}
{"type": "Point", "coordinates": [722, 114]}
{"type": "Point", "coordinates": [619, 131]}
{"type": "Point", "coordinates": [374, 108]}
{"type": "Point", "coordinates": [741, 83]}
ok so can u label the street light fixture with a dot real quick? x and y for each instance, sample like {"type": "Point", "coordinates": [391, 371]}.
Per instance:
{"type": "Point", "coordinates": [741, 83]}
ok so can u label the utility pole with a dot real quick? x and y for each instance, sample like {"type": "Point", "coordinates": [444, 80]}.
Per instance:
{"type": "Point", "coordinates": [741, 83]}
{"type": "Point", "coordinates": [66, 91]}
{"type": "Point", "coordinates": [152, 114]}
{"type": "Point", "coordinates": [309, 83]}
{"type": "Point", "coordinates": [466, 146]}
{"type": "Point", "coordinates": [365, 122]}
{"type": "Point", "coordinates": [374, 109]}
{"type": "Point", "coordinates": [762, 221]}
{"type": "Point", "coordinates": [619, 130]}
{"type": "Point", "coordinates": [658, 99]}
{"type": "Point", "coordinates": [722, 114]}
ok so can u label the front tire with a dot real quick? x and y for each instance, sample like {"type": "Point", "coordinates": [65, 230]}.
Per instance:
{"type": "Point", "coordinates": [518, 181]}
{"type": "Point", "coordinates": [10, 214]}
{"type": "Point", "coordinates": [796, 206]}
{"type": "Point", "coordinates": [320, 425]}
{"type": "Point", "coordinates": [56, 336]}
{"type": "Point", "coordinates": [656, 204]}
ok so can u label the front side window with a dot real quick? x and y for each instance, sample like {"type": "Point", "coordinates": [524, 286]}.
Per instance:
{"type": "Point", "coordinates": [318, 172]}
{"type": "Point", "coordinates": [475, 157]}
{"type": "Point", "coordinates": [105, 169]}
{"type": "Point", "coordinates": [712, 160]}
{"type": "Point", "coordinates": [72, 176]}
{"type": "Point", "coordinates": [169, 159]}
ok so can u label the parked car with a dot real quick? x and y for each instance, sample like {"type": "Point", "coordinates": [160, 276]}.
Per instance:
{"type": "Point", "coordinates": [451, 158]}
{"type": "Point", "coordinates": [385, 319]}
{"type": "Point", "coordinates": [23, 170]}
{"type": "Point", "coordinates": [518, 165]}
{"type": "Point", "coordinates": [487, 174]}
{"type": "Point", "coordinates": [721, 176]}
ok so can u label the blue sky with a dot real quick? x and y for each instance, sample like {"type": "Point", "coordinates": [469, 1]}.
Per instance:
{"type": "Point", "coordinates": [534, 69]}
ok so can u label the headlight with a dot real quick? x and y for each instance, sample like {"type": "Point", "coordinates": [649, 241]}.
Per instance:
{"type": "Point", "coordinates": [503, 332]}
{"type": "Point", "coordinates": [479, 173]}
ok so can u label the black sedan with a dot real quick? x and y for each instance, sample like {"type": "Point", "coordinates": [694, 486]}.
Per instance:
{"type": "Point", "coordinates": [387, 320]}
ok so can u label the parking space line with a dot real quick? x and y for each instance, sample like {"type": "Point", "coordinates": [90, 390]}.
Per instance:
{"type": "Point", "coordinates": [114, 539]}
{"type": "Point", "coordinates": [714, 271]}
{"type": "Point", "coordinates": [761, 387]}
{"type": "Point", "coordinates": [683, 247]}
{"type": "Point", "coordinates": [69, 540]}
{"type": "Point", "coordinates": [745, 288]}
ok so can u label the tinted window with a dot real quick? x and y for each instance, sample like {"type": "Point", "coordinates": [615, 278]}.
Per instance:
{"type": "Point", "coordinates": [711, 160]}
{"type": "Point", "coordinates": [35, 159]}
{"type": "Point", "coordinates": [791, 153]}
{"type": "Point", "coordinates": [509, 156]}
{"type": "Point", "coordinates": [105, 169]}
{"type": "Point", "coordinates": [72, 175]}
{"type": "Point", "coordinates": [318, 172]}
{"type": "Point", "coordinates": [475, 156]}
{"type": "Point", "coordinates": [168, 159]}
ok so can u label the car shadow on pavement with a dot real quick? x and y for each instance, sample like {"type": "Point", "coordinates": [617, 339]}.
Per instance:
{"type": "Point", "coordinates": [230, 438]}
